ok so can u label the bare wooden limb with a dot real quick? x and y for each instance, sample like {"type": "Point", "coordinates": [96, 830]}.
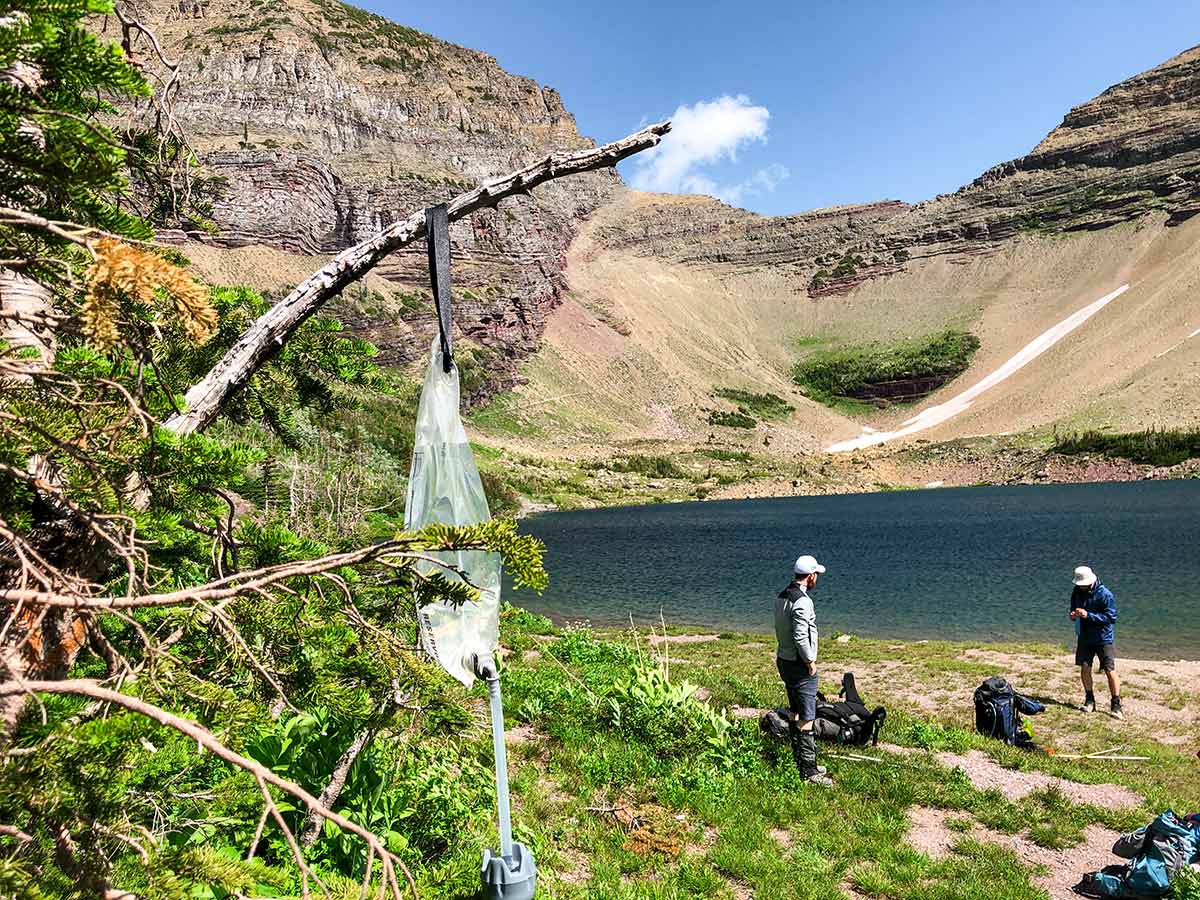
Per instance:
{"type": "Point", "coordinates": [13, 832]}
{"type": "Point", "coordinates": [229, 586]}
{"type": "Point", "coordinates": [337, 781]}
{"type": "Point", "coordinates": [267, 334]}
{"type": "Point", "coordinates": [81, 687]}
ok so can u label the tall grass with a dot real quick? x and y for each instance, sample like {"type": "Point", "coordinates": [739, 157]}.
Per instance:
{"type": "Point", "coordinates": [1154, 446]}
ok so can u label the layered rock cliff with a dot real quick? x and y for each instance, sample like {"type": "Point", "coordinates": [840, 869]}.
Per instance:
{"type": "Point", "coordinates": [324, 123]}
{"type": "Point", "coordinates": [1132, 150]}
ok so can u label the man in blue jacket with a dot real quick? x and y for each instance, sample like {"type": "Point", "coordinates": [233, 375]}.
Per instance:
{"type": "Point", "coordinates": [1094, 611]}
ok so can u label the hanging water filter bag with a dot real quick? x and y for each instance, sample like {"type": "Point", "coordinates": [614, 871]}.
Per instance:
{"type": "Point", "coordinates": [444, 487]}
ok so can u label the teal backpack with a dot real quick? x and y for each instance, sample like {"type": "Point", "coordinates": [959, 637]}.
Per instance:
{"type": "Point", "coordinates": [1156, 852]}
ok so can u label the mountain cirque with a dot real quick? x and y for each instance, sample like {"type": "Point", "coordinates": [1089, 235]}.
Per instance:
{"type": "Point", "coordinates": [327, 122]}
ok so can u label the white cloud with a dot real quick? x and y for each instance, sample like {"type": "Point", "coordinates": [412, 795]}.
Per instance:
{"type": "Point", "coordinates": [707, 132]}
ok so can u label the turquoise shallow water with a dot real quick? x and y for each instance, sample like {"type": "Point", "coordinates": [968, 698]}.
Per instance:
{"type": "Point", "coordinates": [989, 564]}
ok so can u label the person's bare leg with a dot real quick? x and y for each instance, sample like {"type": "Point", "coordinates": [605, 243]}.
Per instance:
{"type": "Point", "coordinates": [1089, 698]}
{"type": "Point", "coordinates": [1114, 693]}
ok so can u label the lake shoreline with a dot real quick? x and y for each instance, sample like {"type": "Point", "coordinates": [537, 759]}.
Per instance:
{"type": "Point", "coordinates": [968, 462]}
{"type": "Point", "coordinates": [682, 632]}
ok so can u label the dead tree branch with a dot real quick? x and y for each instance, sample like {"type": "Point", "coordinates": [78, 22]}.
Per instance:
{"type": "Point", "coordinates": [230, 586]}
{"type": "Point", "coordinates": [265, 336]}
{"type": "Point", "coordinates": [337, 781]}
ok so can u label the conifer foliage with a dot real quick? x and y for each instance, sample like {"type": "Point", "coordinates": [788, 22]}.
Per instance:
{"type": "Point", "coordinates": [195, 700]}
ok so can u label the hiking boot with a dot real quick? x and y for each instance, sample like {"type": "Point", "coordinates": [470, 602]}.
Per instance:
{"type": "Point", "coordinates": [805, 748]}
{"type": "Point", "coordinates": [1114, 708]}
{"type": "Point", "coordinates": [1089, 703]}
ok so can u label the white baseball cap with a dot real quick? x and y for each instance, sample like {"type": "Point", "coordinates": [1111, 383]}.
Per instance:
{"type": "Point", "coordinates": [806, 565]}
{"type": "Point", "coordinates": [1084, 577]}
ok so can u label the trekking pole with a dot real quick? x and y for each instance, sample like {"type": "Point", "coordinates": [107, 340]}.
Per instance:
{"type": "Point", "coordinates": [511, 874]}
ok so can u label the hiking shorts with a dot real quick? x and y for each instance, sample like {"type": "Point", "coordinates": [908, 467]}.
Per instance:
{"type": "Point", "coordinates": [801, 688]}
{"type": "Point", "coordinates": [1086, 653]}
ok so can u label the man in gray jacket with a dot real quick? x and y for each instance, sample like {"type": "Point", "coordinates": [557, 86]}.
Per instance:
{"type": "Point", "coordinates": [796, 658]}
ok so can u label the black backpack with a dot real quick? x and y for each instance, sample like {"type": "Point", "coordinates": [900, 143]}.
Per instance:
{"type": "Point", "coordinates": [998, 710]}
{"type": "Point", "coordinates": [848, 721]}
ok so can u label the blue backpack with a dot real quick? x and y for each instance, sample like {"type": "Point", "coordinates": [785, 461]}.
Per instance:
{"type": "Point", "coordinates": [1156, 852]}
{"type": "Point", "coordinates": [998, 711]}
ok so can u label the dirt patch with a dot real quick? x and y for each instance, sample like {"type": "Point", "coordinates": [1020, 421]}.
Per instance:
{"type": "Point", "coordinates": [752, 645]}
{"type": "Point", "coordinates": [929, 833]}
{"type": "Point", "coordinates": [656, 639]}
{"type": "Point", "coordinates": [745, 712]}
{"type": "Point", "coordinates": [985, 773]}
{"type": "Point", "coordinates": [782, 837]}
{"type": "Point", "coordinates": [522, 734]}
{"type": "Point", "coordinates": [575, 868]}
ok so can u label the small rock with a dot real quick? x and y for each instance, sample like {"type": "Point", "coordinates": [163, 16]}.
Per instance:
{"type": "Point", "coordinates": [702, 694]}
{"type": "Point", "coordinates": [845, 638]}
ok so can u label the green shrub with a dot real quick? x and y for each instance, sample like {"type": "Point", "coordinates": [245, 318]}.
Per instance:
{"type": "Point", "coordinates": [650, 466]}
{"type": "Point", "coordinates": [726, 419]}
{"type": "Point", "coordinates": [828, 375]}
{"type": "Point", "coordinates": [1156, 447]}
{"type": "Point", "coordinates": [726, 455]}
{"type": "Point", "coordinates": [767, 407]}
{"type": "Point", "coordinates": [665, 714]}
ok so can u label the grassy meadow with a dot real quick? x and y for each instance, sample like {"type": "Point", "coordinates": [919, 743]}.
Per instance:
{"type": "Point", "coordinates": [639, 770]}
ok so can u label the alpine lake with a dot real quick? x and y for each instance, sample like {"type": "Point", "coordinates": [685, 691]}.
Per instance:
{"type": "Point", "coordinates": [989, 564]}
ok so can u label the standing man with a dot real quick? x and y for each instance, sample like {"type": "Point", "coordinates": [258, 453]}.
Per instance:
{"type": "Point", "coordinates": [1094, 611]}
{"type": "Point", "coordinates": [796, 634]}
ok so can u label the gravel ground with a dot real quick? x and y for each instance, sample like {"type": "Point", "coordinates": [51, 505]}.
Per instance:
{"type": "Point", "coordinates": [929, 834]}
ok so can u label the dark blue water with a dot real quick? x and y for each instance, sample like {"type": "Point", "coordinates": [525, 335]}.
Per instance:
{"type": "Point", "coordinates": [989, 564]}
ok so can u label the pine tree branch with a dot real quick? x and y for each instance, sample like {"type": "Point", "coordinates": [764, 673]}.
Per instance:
{"type": "Point", "coordinates": [81, 687]}
{"type": "Point", "coordinates": [268, 333]}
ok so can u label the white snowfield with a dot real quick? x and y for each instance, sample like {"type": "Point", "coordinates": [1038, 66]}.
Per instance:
{"type": "Point", "coordinates": [936, 415]}
{"type": "Point", "coordinates": [1180, 344]}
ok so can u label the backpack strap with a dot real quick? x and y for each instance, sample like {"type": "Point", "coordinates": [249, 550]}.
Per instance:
{"type": "Point", "coordinates": [877, 718]}
{"type": "Point", "coordinates": [849, 690]}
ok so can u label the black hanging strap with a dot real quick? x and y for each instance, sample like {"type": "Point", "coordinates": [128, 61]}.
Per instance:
{"type": "Point", "coordinates": [437, 237]}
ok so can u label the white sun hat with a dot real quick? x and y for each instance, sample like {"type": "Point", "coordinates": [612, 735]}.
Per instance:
{"type": "Point", "coordinates": [806, 565]}
{"type": "Point", "coordinates": [1084, 577]}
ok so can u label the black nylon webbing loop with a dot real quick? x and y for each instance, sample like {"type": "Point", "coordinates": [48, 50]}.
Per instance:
{"type": "Point", "coordinates": [437, 238]}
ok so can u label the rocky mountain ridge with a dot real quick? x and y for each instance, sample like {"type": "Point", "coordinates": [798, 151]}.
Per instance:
{"type": "Point", "coordinates": [1132, 150]}
{"type": "Point", "coordinates": [326, 122]}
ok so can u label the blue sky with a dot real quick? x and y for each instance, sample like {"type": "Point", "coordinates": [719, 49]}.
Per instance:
{"type": "Point", "coordinates": [791, 106]}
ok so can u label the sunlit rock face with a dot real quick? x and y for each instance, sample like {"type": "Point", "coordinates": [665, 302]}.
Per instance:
{"type": "Point", "coordinates": [325, 123]}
